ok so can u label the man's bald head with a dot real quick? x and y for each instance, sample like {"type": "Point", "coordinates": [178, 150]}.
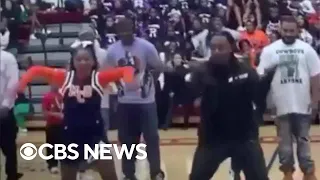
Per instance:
{"type": "Point", "coordinates": [125, 30]}
{"type": "Point", "coordinates": [125, 24]}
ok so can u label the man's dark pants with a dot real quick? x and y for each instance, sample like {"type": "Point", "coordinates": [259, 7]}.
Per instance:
{"type": "Point", "coordinates": [248, 155]}
{"type": "Point", "coordinates": [8, 135]}
{"type": "Point", "coordinates": [53, 136]}
{"type": "Point", "coordinates": [134, 120]}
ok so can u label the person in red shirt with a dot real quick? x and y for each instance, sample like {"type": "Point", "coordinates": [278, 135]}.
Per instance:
{"type": "Point", "coordinates": [257, 38]}
{"type": "Point", "coordinates": [52, 110]}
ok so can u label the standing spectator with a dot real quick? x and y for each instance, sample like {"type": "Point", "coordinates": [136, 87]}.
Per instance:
{"type": "Point", "coordinates": [52, 109]}
{"type": "Point", "coordinates": [137, 99]}
{"type": "Point", "coordinates": [297, 75]}
{"type": "Point", "coordinates": [9, 75]}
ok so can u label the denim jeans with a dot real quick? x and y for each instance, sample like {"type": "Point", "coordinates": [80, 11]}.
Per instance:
{"type": "Point", "coordinates": [106, 118]}
{"type": "Point", "coordinates": [134, 120]}
{"type": "Point", "coordinates": [297, 126]}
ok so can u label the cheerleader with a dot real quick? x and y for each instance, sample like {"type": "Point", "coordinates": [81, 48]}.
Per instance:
{"type": "Point", "coordinates": [81, 90]}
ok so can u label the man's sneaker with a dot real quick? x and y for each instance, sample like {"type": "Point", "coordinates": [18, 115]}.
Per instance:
{"type": "Point", "coordinates": [54, 170]}
{"type": "Point", "coordinates": [159, 176]}
{"type": "Point", "coordinates": [17, 177]}
{"type": "Point", "coordinates": [83, 176]}
{"type": "Point", "coordinates": [32, 36]}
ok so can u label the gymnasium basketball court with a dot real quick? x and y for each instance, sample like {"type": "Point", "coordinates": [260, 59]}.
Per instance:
{"type": "Point", "coordinates": [177, 147]}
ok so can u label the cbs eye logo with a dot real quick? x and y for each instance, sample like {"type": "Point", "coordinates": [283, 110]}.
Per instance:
{"type": "Point", "coordinates": [28, 151]}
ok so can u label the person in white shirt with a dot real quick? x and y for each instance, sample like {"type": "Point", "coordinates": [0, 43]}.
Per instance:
{"type": "Point", "coordinates": [304, 6]}
{"type": "Point", "coordinates": [200, 41]}
{"type": "Point", "coordinates": [9, 75]}
{"type": "Point", "coordinates": [304, 33]}
{"type": "Point", "coordinates": [297, 73]}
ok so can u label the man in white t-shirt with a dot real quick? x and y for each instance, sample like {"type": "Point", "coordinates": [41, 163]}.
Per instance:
{"type": "Point", "coordinates": [297, 72]}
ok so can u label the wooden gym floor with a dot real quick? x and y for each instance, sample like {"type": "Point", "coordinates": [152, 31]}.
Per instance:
{"type": "Point", "coordinates": [177, 147]}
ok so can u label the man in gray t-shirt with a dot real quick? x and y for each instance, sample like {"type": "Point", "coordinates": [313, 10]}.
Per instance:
{"type": "Point", "coordinates": [137, 108]}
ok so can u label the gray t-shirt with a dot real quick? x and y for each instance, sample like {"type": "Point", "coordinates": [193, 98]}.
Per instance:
{"type": "Point", "coordinates": [142, 90]}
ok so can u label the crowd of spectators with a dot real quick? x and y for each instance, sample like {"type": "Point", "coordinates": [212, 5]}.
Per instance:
{"type": "Point", "coordinates": [171, 25]}
{"type": "Point", "coordinates": [178, 28]}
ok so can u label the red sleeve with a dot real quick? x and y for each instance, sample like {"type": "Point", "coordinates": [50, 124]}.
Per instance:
{"type": "Point", "coordinates": [51, 75]}
{"type": "Point", "coordinates": [46, 102]}
{"type": "Point", "coordinates": [115, 74]}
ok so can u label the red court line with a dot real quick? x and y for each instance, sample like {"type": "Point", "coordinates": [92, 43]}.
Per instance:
{"type": "Point", "coordinates": [194, 141]}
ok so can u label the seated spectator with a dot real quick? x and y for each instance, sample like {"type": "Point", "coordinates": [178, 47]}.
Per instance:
{"type": "Point", "coordinates": [221, 9]}
{"type": "Point", "coordinates": [11, 20]}
{"type": "Point", "coordinates": [205, 11]}
{"type": "Point", "coordinates": [247, 53]}
{"type": "Point", "coordinates": [28, 15]}
{"type": "Point", "coordinates": [154, 29]}
{"type": "Point", "coordinates": [74, 5]}
{"type": "Point", "coordinates": [217, 24]}
{"type": "Point", "coordinates": [120, 10]}
{"type": "Point", "coordinates": [173, 36]}
{"type": "Point", "coordinates": [171, 49]}
{"type": "Point", "coordinates": [274, 36]}
{"type": "Point", "coordinates": [235, 12]}
{"type": "Point", "coordinates": [252, 12]}
{"type": "Point", "coordinates": [200, 41]}
{"type": "Point", "coordinates": [108, 6]}
{"type": "Point", "coordinates": [195, 29]}
{"type": "Point", "coordinates": [176, 20]}
{"type": "Point", "coordinates": [108, 35]}
{"type": "Point", "coordinates": [316, 35]}
{"type": "Point", "coordinates": [273, 23]}
{"type": "Point", "coordinates": [304, 33]}
{"type": "Point", "coordinates": [315, 17]}
{"type": "Point", "coordinates": [301, 6]}
{"type": "Point", "coordinates": [257, 37]}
